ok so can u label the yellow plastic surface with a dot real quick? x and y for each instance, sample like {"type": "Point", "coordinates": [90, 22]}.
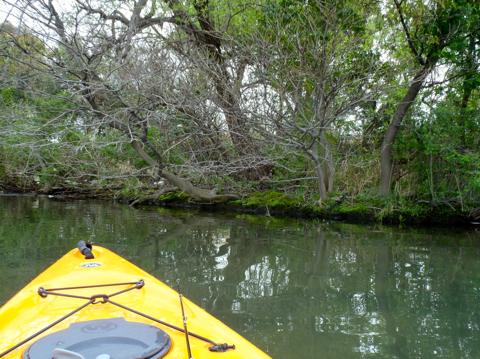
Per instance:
{"type": "Point", "coordinates": [27, 312]}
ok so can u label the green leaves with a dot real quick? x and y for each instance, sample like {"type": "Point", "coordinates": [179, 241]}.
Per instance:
{"type": "Point", "coordinates": [10, 96]}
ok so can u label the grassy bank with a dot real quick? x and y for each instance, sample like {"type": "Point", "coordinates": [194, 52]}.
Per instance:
{"type": "Point", "coordinates": [357, 210]}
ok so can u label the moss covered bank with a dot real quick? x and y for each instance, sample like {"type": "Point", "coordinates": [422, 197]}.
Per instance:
{"type": "Point", "coordinates": [362, 209]}
{"type": "Point", "coordinates": [358, 210]}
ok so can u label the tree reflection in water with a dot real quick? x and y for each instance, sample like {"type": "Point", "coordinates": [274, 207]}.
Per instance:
{"type": "Point", "coordinates": [298, 289]}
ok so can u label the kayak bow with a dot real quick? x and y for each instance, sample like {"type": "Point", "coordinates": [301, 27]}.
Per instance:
{"type": "Point", "coordinates": [94, 304]}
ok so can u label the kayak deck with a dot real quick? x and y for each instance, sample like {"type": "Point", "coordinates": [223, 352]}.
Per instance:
{"type": "Point", "coordinates": [28, 312]}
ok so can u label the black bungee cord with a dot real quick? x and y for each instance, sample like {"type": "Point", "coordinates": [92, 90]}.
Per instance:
{"type": "Point", "coordinates": [105, 298]}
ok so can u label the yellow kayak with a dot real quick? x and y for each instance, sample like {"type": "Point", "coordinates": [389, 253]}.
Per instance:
{"type": "Point", "coordinates": [94, 304]}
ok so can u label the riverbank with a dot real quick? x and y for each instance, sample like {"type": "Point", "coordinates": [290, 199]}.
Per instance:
{"type": "Point", "coordinates": [365, 210]}
{"type": "Point", "coordinates": [371, 210]}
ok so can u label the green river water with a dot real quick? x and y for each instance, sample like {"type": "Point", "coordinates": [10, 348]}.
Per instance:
{"type": "Point", "coordinates": [297, 289]}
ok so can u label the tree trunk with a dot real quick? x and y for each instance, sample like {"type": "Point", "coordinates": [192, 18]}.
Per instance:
{"type": "Point", "coordinates": [199, 194]}
{"type": "Point", "coordinates": [320, 172]}
{"type": "Point", "coordinates": [236, 122]}
{"type": "Point", "coordinates": [470, 73]}
{"type": "Point", "coordinates": [467, 92]}
{"type": "Point", "coordinates": [330, 167]}
{"type": "Point", "coordinates": [386, 166]}
{"type": "Point", "coordinates": [322, 190]}
{"type": "Point", "coordinates": [202, 30]}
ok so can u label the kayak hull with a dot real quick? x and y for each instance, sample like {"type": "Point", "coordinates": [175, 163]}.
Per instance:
{"type": "Point", "coordinates": [28, 312]}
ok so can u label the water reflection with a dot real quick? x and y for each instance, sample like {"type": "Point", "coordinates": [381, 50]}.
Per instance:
{"type": "Point", "coordinates": [296, 289]}
{"type": "Point", "coordinates": [264, 279]}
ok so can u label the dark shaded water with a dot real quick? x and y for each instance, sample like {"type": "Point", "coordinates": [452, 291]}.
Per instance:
{"type": "Point", "coordinates": [297, 289]}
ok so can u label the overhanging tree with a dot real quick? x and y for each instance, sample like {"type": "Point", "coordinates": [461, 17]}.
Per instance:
{"type": "Point", "coordinates": [430, 29]}
{"type": "Point", "coordinates": [98, 58]}
{"type": "Point", "coordinates": [319, 60]}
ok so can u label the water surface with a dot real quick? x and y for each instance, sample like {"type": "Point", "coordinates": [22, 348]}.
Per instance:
{"type": "Point", "coordinates": [297, 289]}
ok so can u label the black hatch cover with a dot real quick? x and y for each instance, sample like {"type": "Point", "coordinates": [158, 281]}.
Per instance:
{"type": "Point", "coordinates": [105, 338]}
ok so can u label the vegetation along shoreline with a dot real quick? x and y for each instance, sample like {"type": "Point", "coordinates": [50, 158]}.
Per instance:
{"type": "Point", "coordinates": [359, 110]}
{"type": "Point", "coordinates": [276, 204]}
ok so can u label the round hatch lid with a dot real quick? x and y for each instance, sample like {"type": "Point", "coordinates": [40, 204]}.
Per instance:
{"type": "Point", "coordinates": [104, 338]}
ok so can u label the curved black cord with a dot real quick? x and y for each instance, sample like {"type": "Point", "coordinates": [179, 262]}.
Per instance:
{"type": "Point", "coordinates": [104, 298]}
{"type": "Point", "coordinates": [36, 334]}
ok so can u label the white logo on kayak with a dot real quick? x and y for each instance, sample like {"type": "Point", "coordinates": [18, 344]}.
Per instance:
{"type": "Point", "coordinates": [90, 265]}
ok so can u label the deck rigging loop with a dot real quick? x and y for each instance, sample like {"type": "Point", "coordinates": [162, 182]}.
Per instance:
{"type": "Point", "coordinates": [105, 298]}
